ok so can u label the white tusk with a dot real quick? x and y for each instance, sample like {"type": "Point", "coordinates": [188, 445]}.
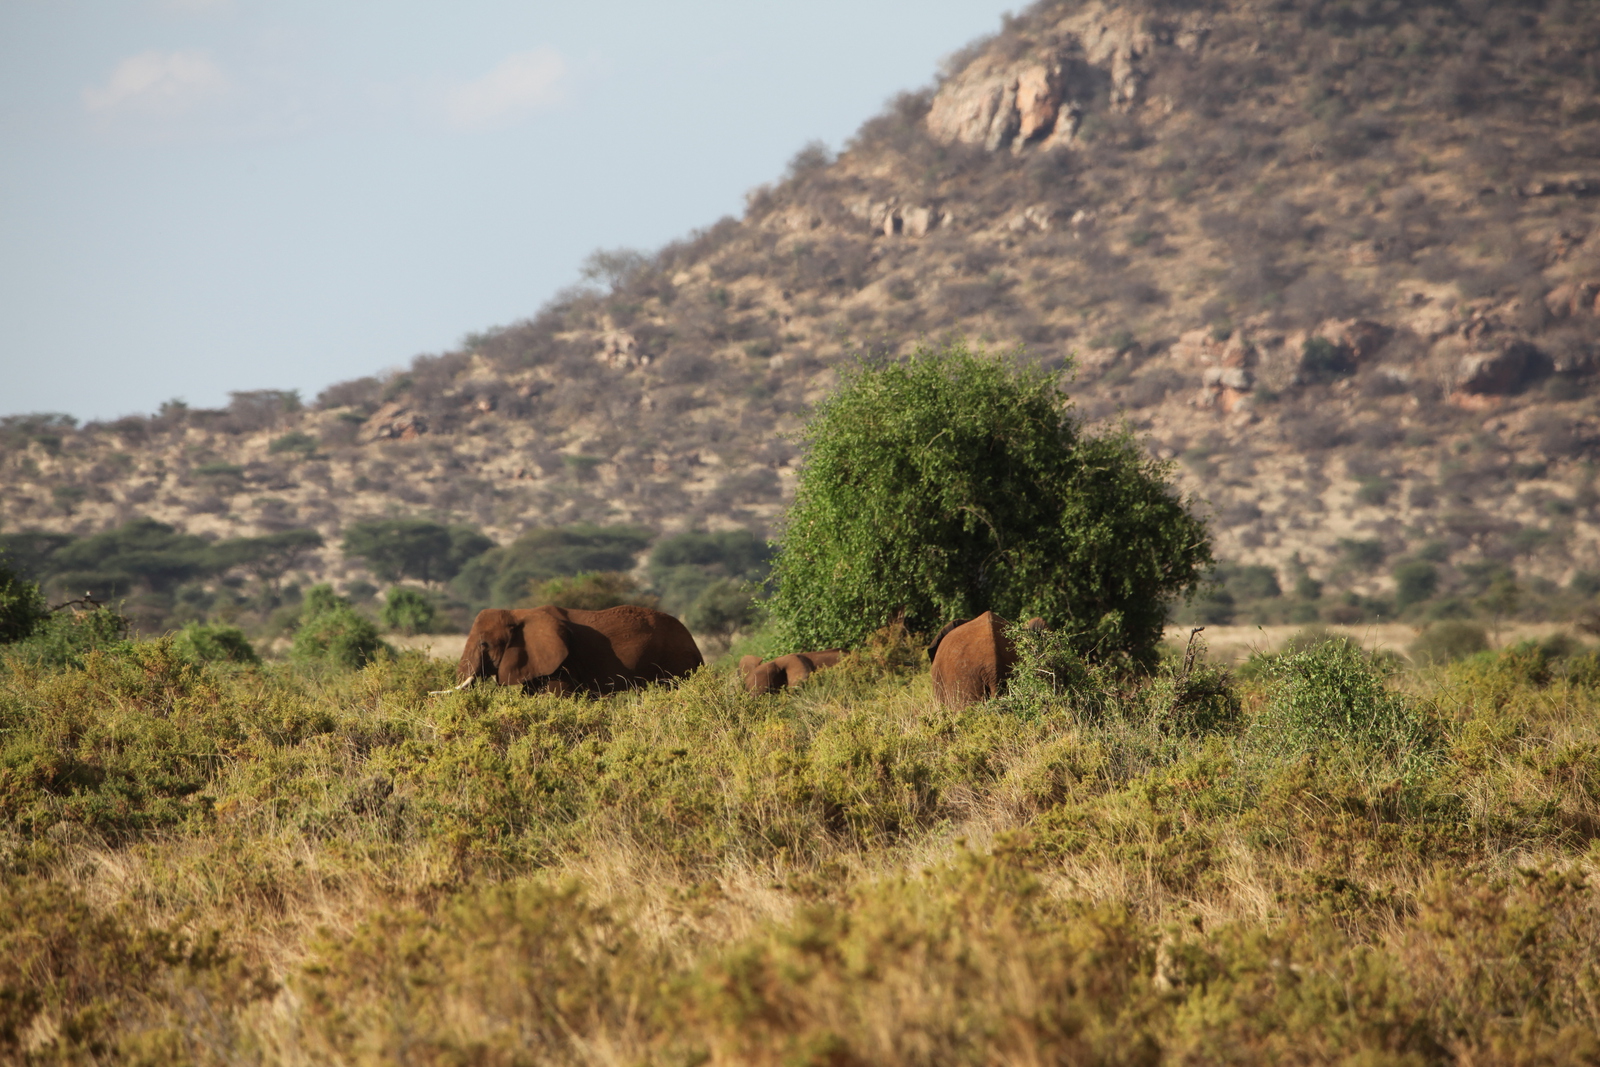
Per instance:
{"type": "Point", "coordinates": [454, 688]}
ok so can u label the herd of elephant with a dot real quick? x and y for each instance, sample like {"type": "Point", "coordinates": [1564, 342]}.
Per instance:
{"type": "Point", "coordinates": [568, 651]}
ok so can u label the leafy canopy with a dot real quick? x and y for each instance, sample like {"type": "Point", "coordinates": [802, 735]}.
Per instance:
{"type": "Point", "coordinates": [396, 549]}
{"type": "Point", "coordinates": [22, 606]}
{"type": "Point", "coordinates": [332, 632]}
{"type": "Point", "coordinates": [956, 482]}
{"type": "Point", "coordinates": [683, 567]}
{"type": "Point", "coordinates": [408, 611]}
{"type": "Point", "coordinates": [503, 576]}
{"type": "Point", "coordinates": [150, 554]}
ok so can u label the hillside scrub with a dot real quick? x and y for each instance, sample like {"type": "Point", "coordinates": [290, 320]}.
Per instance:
{"type": "Point", "coordinates": [208, 862]}
{"type": "Point", "coordinates": [1340, 202]}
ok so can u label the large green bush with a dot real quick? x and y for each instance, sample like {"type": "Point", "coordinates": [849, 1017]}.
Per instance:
{"type": "Point", "coordinates": [956, 482]}
{"type": "Point", "coordinates": [684, 566]}
{"type": "Point", "coordinates": [590, 591]}
{"type": "Point", "coordinates": [1448, 640]}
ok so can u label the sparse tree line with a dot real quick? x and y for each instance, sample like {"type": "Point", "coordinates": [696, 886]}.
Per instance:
{"type": "Point", "coordinates": [160, 577]}
{"type": "Point", "coordinates": [945, 486]}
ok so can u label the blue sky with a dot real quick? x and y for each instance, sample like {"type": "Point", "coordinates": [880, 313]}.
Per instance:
{"type": "Point", "coordinates": [199, 196]}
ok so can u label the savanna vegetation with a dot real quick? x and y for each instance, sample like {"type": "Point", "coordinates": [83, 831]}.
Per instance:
{"type": "Point", "coordinates": [222, 862]}
{"type": "Point", "coordinates": [161, 580]}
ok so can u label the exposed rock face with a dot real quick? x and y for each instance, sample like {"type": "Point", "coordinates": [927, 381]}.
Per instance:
{"type": "Point", "coordinates": [1200, 347]}
{"type": "Point", "coordinates": [1574, 298]}
{"type": "Point", "coordinates": [1040, 99]}
{"type": "Point", "coordinates": [979, 106]}
{"type": "Point", "coordinates": [892, 219]}
{"type": "Point", "coordinates": [394, 422]}
{"type": "Point", "coordinates": [620, 349]}
{"type": "Point", "coordinates": [1359, 338]}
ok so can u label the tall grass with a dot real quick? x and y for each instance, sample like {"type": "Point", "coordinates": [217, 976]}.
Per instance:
{"type": "Point", "coordinates": [209, 862]}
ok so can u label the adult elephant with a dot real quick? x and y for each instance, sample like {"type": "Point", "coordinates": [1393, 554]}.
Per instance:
{"type": "Point", "coordinates": [565, 650]}
{"type": "Point", "coordinates": [972, 658]}
{"type": "Point", "coordinates": [785, 671]}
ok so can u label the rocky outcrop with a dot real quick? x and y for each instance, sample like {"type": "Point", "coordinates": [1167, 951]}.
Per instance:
{"type": "Point", "coordinates": [1359, 339]}
{"type": "Point", "coordinates": [998, 101]}
{"type": "Point", "coordinates": [1574, 298]}
{"type": "Point", "coordinates": [1503, 371]}
{"type": "Point", "coordinates": [394, 422]}
{"type": "Point", "coordinates": [1227, 368]}
{"type": "Point", "coordinates": [1038, 217]}
{"type": "Point", "coordinates": [1570, 186]}
{"type": "Point", "coordinates": [620, 349]}
{"type": "Point", "coordinates": [979, 105]}
{"type": "Point", "coordinates": [893, 219]}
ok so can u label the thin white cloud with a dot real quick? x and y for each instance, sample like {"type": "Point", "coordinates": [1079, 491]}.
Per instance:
{"type": "Point", "coordinates": [157, 84]}
{"type": "Point", "coordinates": [519, 85]}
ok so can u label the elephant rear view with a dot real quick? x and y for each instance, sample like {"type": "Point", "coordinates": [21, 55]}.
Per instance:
{"type": "Point", "coordinates": [972, 658]}
{"type": "Point", "coordinates": [561, 650]}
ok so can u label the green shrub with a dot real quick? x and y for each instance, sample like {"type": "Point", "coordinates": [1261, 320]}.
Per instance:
{"type": "Point", "coordinates": [1335, 693]}
{"type": "Point", "coordinates": [1449, 640]}
{"type": "Point", "coordinates": [1415, 581]}
{"type": "Point", "coordinates": [1323, 361]}
{"type": "Point", "coordinates": [65, 637]}
{"type": "Point", "coordinates": [1049, 668]}
{"type": "Point", "coordinates": [723, 608]}
{"type": "Point", "coordinates": [683, 565]}
{"type": "Point", "coordinates": [591, 591]}
{"type": "Point", "coordinates": [956, 483]}
{"type": "Point", "coordinates": [22, 606]}
{"type": "Point", "coordinates": [214, 643]}
{"type": "Point", "coordinates": [408, 611]}
{"type": "Point", "coordinates": [332, 632]}
{"type": "Point", "coordinates": [294, 441]}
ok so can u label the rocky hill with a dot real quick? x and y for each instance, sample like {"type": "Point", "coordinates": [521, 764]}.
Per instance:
{"type": "Point", "coordinates": [1337, 259]}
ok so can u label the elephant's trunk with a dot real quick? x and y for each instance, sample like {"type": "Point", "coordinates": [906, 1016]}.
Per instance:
{"type": "Point", "coordinates": [485, 670]}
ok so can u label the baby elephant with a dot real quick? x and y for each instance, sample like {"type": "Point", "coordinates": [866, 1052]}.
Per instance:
{"type": "Point", "coordinates": [788, 670]}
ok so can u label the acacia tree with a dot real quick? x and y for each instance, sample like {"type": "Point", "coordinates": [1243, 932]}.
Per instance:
{"type": "Point", "coordinates": [395, 549]}
{"type": "Point", "coordinates": [956, 483]}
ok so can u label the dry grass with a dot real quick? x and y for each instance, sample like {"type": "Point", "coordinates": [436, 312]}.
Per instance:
{"type": "Point", "coordinates": [214, 866]}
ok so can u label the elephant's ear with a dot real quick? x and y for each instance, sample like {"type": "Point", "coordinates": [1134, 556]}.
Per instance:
{"type": "Point", "coordinates": [933, 649]}
{"type": "Point", "coordinates": [544, 636]}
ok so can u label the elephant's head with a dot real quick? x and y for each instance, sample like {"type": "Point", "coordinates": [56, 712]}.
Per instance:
{"type": "Point", "coordinates": [760, 677]}
{"type": "Point", "coordinates": [514, 647]}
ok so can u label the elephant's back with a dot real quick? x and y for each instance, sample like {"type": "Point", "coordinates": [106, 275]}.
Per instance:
{"type": "Point", "coordinates": [972, 661]}
{"type": "Point", "coordinates": [650, 644]}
